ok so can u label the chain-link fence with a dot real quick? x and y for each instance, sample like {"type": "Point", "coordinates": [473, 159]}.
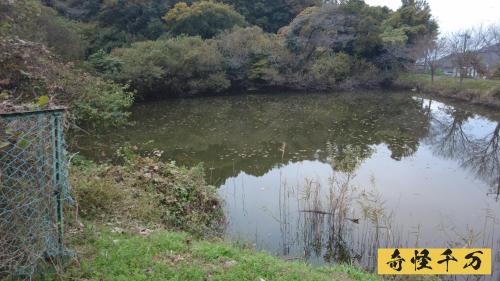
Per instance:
{"type": "Point", "coordinates": [33, 188]}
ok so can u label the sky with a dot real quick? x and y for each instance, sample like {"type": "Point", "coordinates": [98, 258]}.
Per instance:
{"type": "Point", "coordinates": [456, 15]}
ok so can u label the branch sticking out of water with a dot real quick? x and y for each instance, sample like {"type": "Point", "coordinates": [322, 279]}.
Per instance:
{"type": "Point", "coordinates": [327, 213]}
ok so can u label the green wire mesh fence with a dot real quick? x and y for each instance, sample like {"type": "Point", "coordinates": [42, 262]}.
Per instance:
{"type": "Point", "coordinates": [33, 188]}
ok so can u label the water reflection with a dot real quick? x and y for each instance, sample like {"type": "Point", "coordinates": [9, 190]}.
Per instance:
{"type": "Point", "coordinates": [329, 178]}
{"type": "Point", "coordinates": [340, 220]}
{"type": "Point", "coordinates": [455, 136]}
{"type": "Point", "coordinates": [253, 134]}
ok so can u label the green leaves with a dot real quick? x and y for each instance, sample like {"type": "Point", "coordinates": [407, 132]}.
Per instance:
{"type": "Point", "coordinates": [205, 19]}
{"type": "Point", "coordinates": [271, 15]}
{"type": "Point", "coordinates": [43, 101]}
{"type": "Point", "coordinates": [177, 66]}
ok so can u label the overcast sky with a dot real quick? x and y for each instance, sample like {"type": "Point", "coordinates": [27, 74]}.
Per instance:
{"type": "Point", "coordinates": [454, 15]}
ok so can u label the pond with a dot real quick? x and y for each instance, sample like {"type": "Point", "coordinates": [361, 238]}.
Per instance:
{"type": "Point", "coordinates": [331, 177]}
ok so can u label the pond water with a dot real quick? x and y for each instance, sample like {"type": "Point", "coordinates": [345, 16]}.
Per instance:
{"type": "Point", "coordinates": [331, 177]}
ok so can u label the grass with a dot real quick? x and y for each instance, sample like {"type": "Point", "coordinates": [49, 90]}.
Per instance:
{"type": "Point", "coordinates": [165, 255]}
{"type": "Point", "coordinates": [476, 91]}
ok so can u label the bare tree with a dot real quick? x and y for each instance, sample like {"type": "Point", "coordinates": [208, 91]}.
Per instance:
{"type": "Point", "coordinates": [492, 38]}
{"type": "Point", "coordinates": [464, 47]}
{"type": "Point", "coordinates": [433, 52]}
{"type": "Point", "coordinates": [484, 160]}
{"type": "Point", "coordinates": [449, 136]}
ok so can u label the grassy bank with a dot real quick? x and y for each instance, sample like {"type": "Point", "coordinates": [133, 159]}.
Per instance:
{"type": "Point", "coordinates": [143, 219]}
{"type": "Point", "coordinates": [482, 92]}
{"type": "Point", "coordinates": [166, 255]}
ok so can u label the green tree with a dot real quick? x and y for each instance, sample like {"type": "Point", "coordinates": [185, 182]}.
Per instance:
{"type": "Point", "coordinates": [138, 17]}
{"type": "Point", "coordinates": [271, 15]}
{"type": "Point", "coordinates": [76, 9]}
{"type": "Point", "coordinates": [106, 38]}
{"type": "Point", "coordinates": [404, 32]}
{"type": "Point", "coordinates": [205, 19]}
{"type": "Point", "coordinates": [414, 19]}
{"type": "Point", "coordinates": [115, 23]}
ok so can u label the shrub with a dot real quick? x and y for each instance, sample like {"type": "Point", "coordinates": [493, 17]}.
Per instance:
{"type": "Point", "coordinates": [179, 66]}
{"type": "Point", "coordinates": [97, 193]}
{"type": "Point", "coordinates": [252, 57]}
{"type": "Point", "coordinates": [103, 104]}
{"type": "Point", "coordinates": [145, 190]}
{"type": "Point", "coordinates": [103, 63]}
{"type": "Point", "coordinates": [496, 73]}
{"type": "Point", "coordinates": [328, 69]}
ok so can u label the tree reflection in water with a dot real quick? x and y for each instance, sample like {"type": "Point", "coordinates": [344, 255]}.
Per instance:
{"type": "Point", "coordinates": [478, 153]}
{"type": "Point", "coordinates": [344, 223]}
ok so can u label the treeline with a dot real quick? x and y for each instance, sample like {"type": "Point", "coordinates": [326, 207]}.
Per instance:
{"type": "Point", "coordinates": [173, 48]}
{"type": "Point", "coordinates": [208, 47]}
